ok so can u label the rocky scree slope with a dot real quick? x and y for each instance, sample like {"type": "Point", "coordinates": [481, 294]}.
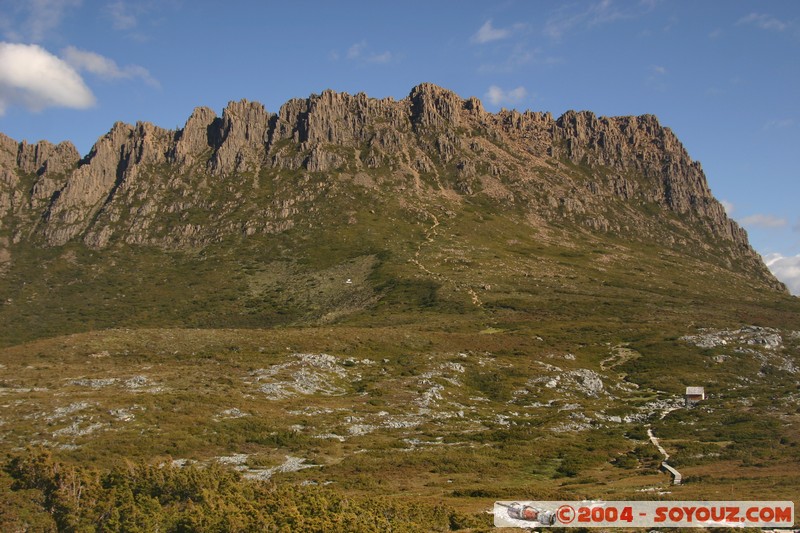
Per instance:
{"type": "Point", "coordinates": [255, 172]}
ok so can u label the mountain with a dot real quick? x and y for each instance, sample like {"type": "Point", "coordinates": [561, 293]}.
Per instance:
{"type": "Point", "coordinates": [136, 177]}
{"type": "Point", "coordinates": [256, 179]}
{"type": "Point", "coordinates": [388, 289]}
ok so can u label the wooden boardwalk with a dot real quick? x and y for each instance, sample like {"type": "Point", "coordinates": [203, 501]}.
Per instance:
{"type": "Point", "coordinates": [676, 476]}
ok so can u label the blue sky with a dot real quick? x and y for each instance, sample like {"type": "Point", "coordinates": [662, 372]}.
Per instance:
{"type": "Point", "coordinates": [724, 75]}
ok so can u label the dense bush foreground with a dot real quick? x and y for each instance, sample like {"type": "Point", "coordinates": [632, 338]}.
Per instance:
{"type": "Point", "coordinates": [38, 493]}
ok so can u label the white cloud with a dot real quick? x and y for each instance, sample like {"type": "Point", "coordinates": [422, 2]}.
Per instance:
{"type": "Point", "coordinates": [497, 96]}
{"type": "Point", "coordinates": [659, 70]}
{"type": "Point", "coordinates": [786, 269]}
{"type": "Point", "coordinates": [765, 221]}
{"type": "Point", "coordinates": [104, 67]}
{"type": "Point", "coordinates": [728, 206]}
{"type": "Point", "coordinates": [764, 22]}
{"type": "Point", "coordinates": [488, 33]}
{"type": "Point", "coordinates": [33, 77]}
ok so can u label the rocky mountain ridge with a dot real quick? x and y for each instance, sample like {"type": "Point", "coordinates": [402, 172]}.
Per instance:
{"type": "Point", "coordinates": [141, 183]}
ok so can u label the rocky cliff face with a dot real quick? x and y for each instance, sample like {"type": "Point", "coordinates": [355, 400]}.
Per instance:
{"type": "Point", "coordinates": [144, 185]}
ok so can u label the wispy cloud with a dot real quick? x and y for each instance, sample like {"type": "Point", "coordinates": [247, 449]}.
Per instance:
{"type": "Point", "coordinates": [656, 76]}
{"type": "Point", "coordinates": [137, 18]}
{"type": "Point", "coordinates": [488, 33]}
{"type": "Point", "coordinates": [122, 18]}
{"type": "Point", "coordinates": [511, 48]}
{"type": "Point", "coordinates": [356, 50]}
{"type": "Point", "coordinates": [105, 68]}
{"type": "Point", "coordinates": [567, 18]}
{"type": "Point", "coordinates": [728, 206]}
{"type": "Point", "coordinates": [765, 221]}
{"type": "Point", "coordinates": [519, 55]}
{"type": "Point", "coordinates": [361, 52]}
{"type": "Point", "coordinates": [786, 269]}
{"type": "Point", "coordinates": [34, 78]}
{"type": "Point", "coordinates": [764, 22]}
{"type": "Point", "coordinates": [497, 96]}
{"type": "Point", "coordinates": [385, 57]}
{"type": "Point", "coordinates": [37, 19]}
{"type": "Point", "coordinates": [779, 124]}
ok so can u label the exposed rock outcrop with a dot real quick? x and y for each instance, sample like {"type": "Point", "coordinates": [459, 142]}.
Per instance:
{"type": "Point", "coordinates": [49, 164]}
{"type": "Point", "coordinates": [433, 107]}
{"type": "Point", "coordinates": [39, 158]}
{"type": "Point", "coordinates": [242, 138]}
{"type": "Point", "coordinates": [641, 146]}
{"type": "Point", "coordinates": [196, 139]}
{"type": "Point", "coordinates": [87, 188]}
